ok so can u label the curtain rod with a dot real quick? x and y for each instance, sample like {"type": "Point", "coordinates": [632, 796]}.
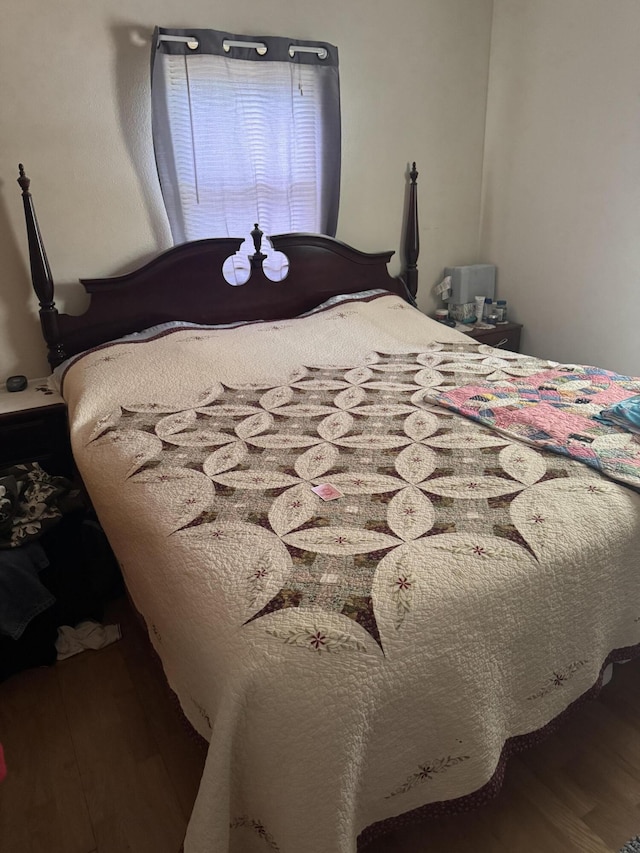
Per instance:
{"type": "Point", "coordinates": [259, 46]}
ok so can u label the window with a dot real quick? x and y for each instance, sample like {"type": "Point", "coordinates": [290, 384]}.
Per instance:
{"type": "Point", "coordinates": [245, 130]}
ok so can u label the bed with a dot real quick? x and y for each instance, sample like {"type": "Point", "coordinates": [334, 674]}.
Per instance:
{"type": "Point", "coordinates": [361, 661]}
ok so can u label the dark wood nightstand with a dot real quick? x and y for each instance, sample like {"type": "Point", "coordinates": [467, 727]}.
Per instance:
{"type": "Point", "coordinates": [505, 336]}
{"type": "Point", "coordinates": [82, 572]}
{"type": "Point", "coordinates": [33, 428]}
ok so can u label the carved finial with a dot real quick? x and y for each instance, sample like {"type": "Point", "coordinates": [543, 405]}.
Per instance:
{"type": "Point", "coordinates": [258, 257]}
{"type": "Point", "coordinates": [256, 236]}
{"type": "Point", "coordinates": [23, 180]}
{"type": "Point", "coordinates": [413, 174]}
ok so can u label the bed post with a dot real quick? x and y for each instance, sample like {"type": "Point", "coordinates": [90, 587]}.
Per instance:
{"type": "Point", "coordinates": [412, 237]}
{"type": "Point", "coordinates": [41, 276]}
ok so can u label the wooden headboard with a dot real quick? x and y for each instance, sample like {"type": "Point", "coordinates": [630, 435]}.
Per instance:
{"type": "Point", "coordinates": [186, 283]}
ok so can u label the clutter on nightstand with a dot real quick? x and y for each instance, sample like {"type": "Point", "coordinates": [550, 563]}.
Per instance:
{"type": "Point", "coordinates": [470, 306]}
{"type": "Point", "coordinates": [462, 288]}
{"type": "Point", "coordinates": [469, 294]}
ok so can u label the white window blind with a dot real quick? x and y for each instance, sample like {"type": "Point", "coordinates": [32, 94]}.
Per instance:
{"type": "Point", "coordinates": [245, 137]}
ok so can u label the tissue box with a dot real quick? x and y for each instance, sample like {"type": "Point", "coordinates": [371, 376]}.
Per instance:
{"type": "Point", "coordinates": [471, 281]}
{"type": "Point", "coordinates": [463, 313]}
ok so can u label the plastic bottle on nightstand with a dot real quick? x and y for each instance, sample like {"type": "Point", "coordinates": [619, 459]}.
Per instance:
{"type": "Point", "coordinates": [501, 310]}
{"type": "Point", "coordinates": [488, 308]}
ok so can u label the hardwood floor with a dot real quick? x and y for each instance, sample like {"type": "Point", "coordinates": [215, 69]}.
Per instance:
{"type": "Point", "coordinates": [100, 762]}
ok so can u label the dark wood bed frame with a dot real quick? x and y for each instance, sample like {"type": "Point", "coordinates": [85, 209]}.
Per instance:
{"type": "Point", "coordinates": [186, 283]}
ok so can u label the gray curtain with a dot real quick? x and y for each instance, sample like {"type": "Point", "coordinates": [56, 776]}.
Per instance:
{"type": "Point", "coordinates": [242, 137]}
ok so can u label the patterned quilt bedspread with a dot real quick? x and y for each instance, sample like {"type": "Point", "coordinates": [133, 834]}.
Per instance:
{"type": "Point", "coordinates": [355, 659]}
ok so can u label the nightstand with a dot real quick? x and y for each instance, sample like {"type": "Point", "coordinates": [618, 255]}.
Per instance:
{"type": "Point", "coordinates": [33, 428]}
{"type": "Point", "coordinates": [505, 336]}
{"type": "Point", "coordinates": [82, 572]}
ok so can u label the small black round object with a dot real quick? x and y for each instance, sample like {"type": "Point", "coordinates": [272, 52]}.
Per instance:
{"type": "Point", "coordinates": [16, 383]}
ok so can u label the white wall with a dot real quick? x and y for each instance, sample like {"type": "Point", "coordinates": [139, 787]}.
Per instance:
{"type": "Point", "coordinates": [74, 101]}
{"type": "Point", "coordinates": [561, 200]}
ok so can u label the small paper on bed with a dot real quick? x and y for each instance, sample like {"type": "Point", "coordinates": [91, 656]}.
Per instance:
{"type": "Point", "coordinates": [327, 492]}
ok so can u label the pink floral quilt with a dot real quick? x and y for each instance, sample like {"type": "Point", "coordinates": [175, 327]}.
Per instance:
{"type": "Point", "coordinates": [552, 408]}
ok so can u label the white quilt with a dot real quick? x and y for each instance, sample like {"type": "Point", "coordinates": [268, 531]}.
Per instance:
{"type": "Point", "coordinates": [356, 659]}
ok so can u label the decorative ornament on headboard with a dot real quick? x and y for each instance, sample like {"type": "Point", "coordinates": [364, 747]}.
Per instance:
{"type": "Point", "coordinates": [258, 257]}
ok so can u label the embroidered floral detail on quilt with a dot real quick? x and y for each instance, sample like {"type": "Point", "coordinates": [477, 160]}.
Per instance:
{"type": "Point", "coordinates": [237, 467]}
{"type": "Point", "coordinates": [203, 713]}
{"type": "Point", "coordinates": [317, 639]}
{"type": "Point", "coordinates": [258, 828]}
{"type": "Point", "coordinates": [426, 772]}
{"type": "Point", "coordinates": [558, 679]}
{"type": "Point", "coordinates": [108, 358]}
{"type": "Point", "coordinates": [402, 588]}
{"type": "Point", "coordinates": [259, 576]}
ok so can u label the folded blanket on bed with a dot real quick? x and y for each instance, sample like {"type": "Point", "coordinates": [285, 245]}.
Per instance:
{"type": "Point", "coordinates": [625, 414]}
{"type": "Point", "coordinates": [562, 409]}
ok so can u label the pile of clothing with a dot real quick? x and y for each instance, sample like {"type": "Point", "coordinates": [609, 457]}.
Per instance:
{"type": "Point", "coordinates": [48, 568]}
{"type": "Point", "coordinates": [31, 502]}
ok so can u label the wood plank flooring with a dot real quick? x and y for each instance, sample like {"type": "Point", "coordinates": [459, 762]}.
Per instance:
{"type": "Point", "coordinates": [100, 762]}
